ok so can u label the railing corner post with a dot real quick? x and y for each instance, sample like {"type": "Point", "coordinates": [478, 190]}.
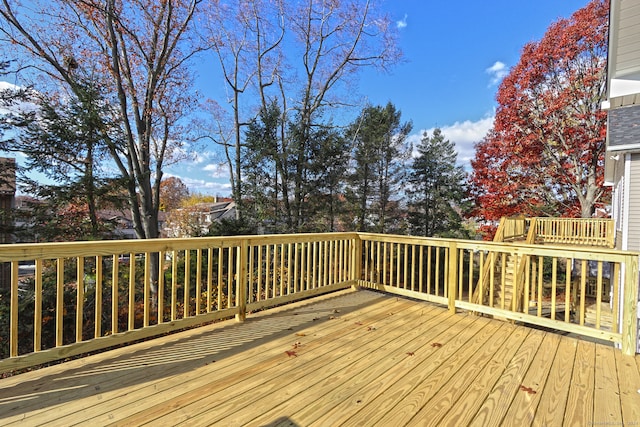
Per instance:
{"type": "Point", "coordinates": [629, 307]}
{"type": "Point", "coordinates": [241, 281]}
{"type": "Point", "coordinates": [356, 260]}
{"type": "Point", "coordinates": [452, 274]}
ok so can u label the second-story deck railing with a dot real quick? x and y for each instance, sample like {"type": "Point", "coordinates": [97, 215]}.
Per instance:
{"type": "Point", "coordinates": [575, 231]}
{"type": "Point", "coordinates": [67, 299]}
{"type": "Point", "coordinates": [597, 232]}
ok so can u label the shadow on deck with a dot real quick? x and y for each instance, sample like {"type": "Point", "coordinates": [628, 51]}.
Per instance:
{"type": "Point", "coordinates": [353, 358]}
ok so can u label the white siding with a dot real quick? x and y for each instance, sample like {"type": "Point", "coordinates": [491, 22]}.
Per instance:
{"type": "Point", "coordinates": [634, 203]}
{"type": "Point", "coordinates": [627, 56]}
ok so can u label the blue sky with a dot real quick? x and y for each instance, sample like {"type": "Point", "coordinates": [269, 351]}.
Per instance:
{"type": "Point", "coordinates": [454, 56]}
{"type": "Point", "coordinates": [456, 52]}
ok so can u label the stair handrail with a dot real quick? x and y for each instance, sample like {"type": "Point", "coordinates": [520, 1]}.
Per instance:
{"type": "Point", "coordinates": [531, 239]}
{"type": "Point", "coordinates": [485, 269]}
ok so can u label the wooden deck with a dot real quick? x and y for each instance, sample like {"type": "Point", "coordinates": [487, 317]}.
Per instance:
{"type": "Point", "coordinates": [352, 358]}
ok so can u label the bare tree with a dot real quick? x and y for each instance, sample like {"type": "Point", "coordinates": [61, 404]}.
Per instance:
{"type": "Point", "coordinates": [136, 50]}
{"type": "Point", "coordinates": [338, 39]}
{"type": "Point", "coordinates": [245, 38]}
{"type": "Point", "coordinates": [327, 43]}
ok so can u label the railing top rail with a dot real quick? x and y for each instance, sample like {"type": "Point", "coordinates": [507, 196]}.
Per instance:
{"type": "Point", "coordinates": [30, 251]}
{"type": "Point", "coordinates": [51, 250]}
{"type": "Point", "coordinates": [586, 252]}
{"type": "Point", "coordinates": [549, 218]}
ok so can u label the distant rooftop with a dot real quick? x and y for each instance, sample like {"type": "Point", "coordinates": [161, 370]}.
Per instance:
{"type": "Point", "coordinates": [7, 176]}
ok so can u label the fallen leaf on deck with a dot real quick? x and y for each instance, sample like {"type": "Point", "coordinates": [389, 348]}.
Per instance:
{"type": "Point", "coordinates": [527, 389]}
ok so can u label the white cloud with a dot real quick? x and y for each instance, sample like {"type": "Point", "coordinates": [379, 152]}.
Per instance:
{"type": "Point", "coordinates": [402, 23]}
{"type": "Point", "coordinates": [195, 185]}
{"type": "Point", "coordinates": [18, 106]}
{"type": "Point", "coordinates": [464, 134]}
{"type": "Point", "coordinates": [207, 187]}
{"type": "Point", "coordinates": [204, 156]}
{"type": "Point", "coordinates": [497, 72]}
{"type": "Point", "coordinates": [217, 170]}
{"type": "Point", "coordinates": [8, 86]}
{"type": "Point", "coordinates": [212, 178]}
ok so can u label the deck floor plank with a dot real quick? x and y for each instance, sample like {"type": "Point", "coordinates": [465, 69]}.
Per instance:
{"type": "Point", "coordinates": [446, 395]}
{"type": "Point", "coordinates": [263, 392]}
{"type": "Point", "coordinates": [338, 401]}
{"type": "Point", "coordinates": [362, 358]}
{"type": "Point", "coordinates": [309, 401]}
{"type": "Point", "coordinates": [220, 377]}
{"type": "Point", "coordinates": [443, 381]}
{"type": "Point", "coordinates": [465, 408]}
{"type": "Point", "coordinates": [579, 408]}
{"type": "Point", "coordinates": [606, 399]}
{"type": "Point", "coordinates": [178, 361]}
{"type": "Point", "coordinates": [553, 400]}
{"type": "Point", "coordinates": [418, 368]}
{"type": "Point", "coordinates": [629, 383]}
{"type": "Point", "coordinates": [524, 406]}
{"type": "Point", "coordinates": [497, 403]}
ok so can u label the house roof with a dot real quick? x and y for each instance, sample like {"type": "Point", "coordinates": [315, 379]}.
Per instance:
{"type": "Point", "coordinates": [7, 176]}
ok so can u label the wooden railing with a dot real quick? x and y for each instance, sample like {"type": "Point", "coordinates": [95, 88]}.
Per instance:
{"type": "Point", "coordinates": [512, 228]}
{"type": "Point", "coordinates": [586, 291]}
{"type": "Point", "coordinates": [576, 231]}
{"type": "Point", "coordinates": [68, 299]}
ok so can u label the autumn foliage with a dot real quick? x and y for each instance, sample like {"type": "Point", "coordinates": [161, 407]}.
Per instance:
{"type": "Point", "coordinates": [545, 153]}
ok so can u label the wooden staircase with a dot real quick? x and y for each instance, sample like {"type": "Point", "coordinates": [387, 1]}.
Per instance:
{"type": "Point", "coordinates": [503, 296]}
{"type": "Point", "coordinates": [606, 316]}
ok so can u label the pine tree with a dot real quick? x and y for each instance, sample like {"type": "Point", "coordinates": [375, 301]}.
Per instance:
{"type": "Point", "coordinates": [436, 189]}
{"type": "Point", "coordinates": [328, 171]}
{"type": "Point", "coordinates": [264, 169]}
{"type": "Point", "coordinates": [64, 141]}
{"type": "Point", "coordinates": [379, 154]}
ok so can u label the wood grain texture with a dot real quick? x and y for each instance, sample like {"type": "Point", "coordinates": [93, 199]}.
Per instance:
{"type": "Point", "coordinates": [353, 358]}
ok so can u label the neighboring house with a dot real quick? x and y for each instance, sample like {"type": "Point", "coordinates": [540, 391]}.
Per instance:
{"type": "Point", "coordinates": [196, 220]}
{"type": "Point", "coordinates": [7, 203]}
{"type": "Point", "coordinates": [7, 197]}
{"type": "Point", "coordinates": [123, 222]}
{"type": "Point", "coordinates": [622, 158]}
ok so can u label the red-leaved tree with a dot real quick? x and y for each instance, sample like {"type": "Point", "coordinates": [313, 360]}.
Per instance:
{"type": "Point", "coordinates": [545, 153]}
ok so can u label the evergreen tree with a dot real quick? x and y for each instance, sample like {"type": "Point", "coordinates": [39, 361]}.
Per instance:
{"type": "Point", "coordinates": [379, 153]}
{"type": "Point", "coordinates": [265, 171]}
{"type": "Point", "coordinates": [436, 189]}
{"type": "Point", "coordinates": [328, 170]}
{"type": "Point", "coordinates": [64, 141]}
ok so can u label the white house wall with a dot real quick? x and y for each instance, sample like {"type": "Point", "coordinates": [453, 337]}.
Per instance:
{"type": "Point", "coordinates": [633, 198]}
{"type": "Point", "coordinates": [624, 53]}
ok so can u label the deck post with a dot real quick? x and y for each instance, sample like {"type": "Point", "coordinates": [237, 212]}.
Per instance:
{"type": "Point", "coordinates": [452, 275]}
{"type": "Point", "coordinates": [629, 306]}
{"type": "Point", "coordinates": [241, 281]}
{"type": "Point", "coordinates": [356, 260]}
